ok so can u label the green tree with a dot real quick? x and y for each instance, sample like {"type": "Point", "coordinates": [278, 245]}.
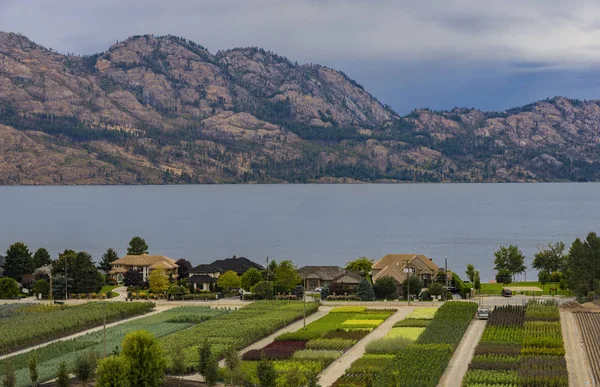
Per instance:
{"type": "Point", "coordinates": [211, 374]}
{"type": "Point", "coordinates": [385, 287]}
{"type": "Point", "coordinates": [251, 278]}
{"type": "Point", "coordinates": [41, 287]}
{"type": "Point", "coordinates": [233, 364]}
{"type": "Point", "coordinates": [286, 277]}
{"type": "Point", "coordinates": [133, 278]}
{"type": "Point", "coordinates": [62, 376]}
{"type": "Point", "coordinates": [436, 289]}
{"type": "Point", "coordinates": [85, 366]}
{"type": "Point", "coordinates": [113, 371]}
{"type": "Point", "coordinates": [8, 288]}
{"type": "Point", "coordinates": [204, 353]}
{"type": "Point", "coordinates": [178, 361]}
{"type": "Point", "coordinates": [503, 276]}
{"type": "Point", "coordinates": [107, 258]}
{"type": "Point", "coordinates": [362, 265]}
{"type": "Point", "coordinates": [33, 369]}
{"type": "Point", "coordinates": [158, 281]}
{"type": "Point", "coordinates": [137, 246]}
{"type": "Point", "coordinates": [18, 261]}
{"type": "Point", "coordinates": [269, 273]}
{"type": "Point", "coordinates": [415, 285]}
{"type": "Point", "coordinates": [510, 258]}
{"type": "Point", "coordinates": [544, 277]}
{"type": "Point", "coordinates": [145, 357]}
{"type": "Point", "coordinates": [365, 290]}
{"type": "Point", "coordinates": [184, 268]}
{"type": "Point", "coordinates": [584, 265]}
{"type": "Point", "coordinates": [263, 289]}
{"type": "Point", "coordinates": [9, 376]}
{"type": "Point", "coordinates": [229, 280]}
{"type": "Point", "coordinates": [41, 257]}
{"type": "Point", "coordinates": [470, 272]}
{"type": "Point", "coordinates": [265, 371]}
{"type": "Point", "coordinates": [79, 267]}
{"type": "Point", "coordinates": [477, 281]}
{"type": "Point", "coordinates": [551, 259]}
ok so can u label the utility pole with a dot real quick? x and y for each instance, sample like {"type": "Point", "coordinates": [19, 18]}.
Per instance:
{"type": "Point", "coordinates": [304, 298]}
{"type": "Point", "coordinates": [50, 294]}
{"type": "Point", "coordinates": [446, 276]}
{"type": "Point", "coordinates": [104, 302]}
{"type": "Point", "coordinates": [267, 267]}
{"type": "Point", "coordinates": [66, 282]}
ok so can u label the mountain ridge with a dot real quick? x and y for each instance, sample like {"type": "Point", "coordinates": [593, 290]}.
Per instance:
{"type": "Point", "coordinates": [162, 110]}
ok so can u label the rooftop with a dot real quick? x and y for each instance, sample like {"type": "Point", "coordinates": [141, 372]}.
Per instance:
{"type": "Point", "coordinates": [146, 260]}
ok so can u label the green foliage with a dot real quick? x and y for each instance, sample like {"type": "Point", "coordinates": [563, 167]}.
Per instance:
{"type": "Point", "coordinates": [263, 289]}
{"type": "Point", "coordinates": [387, 345]}
{"type": "Point", "coordinates": [551, 258]}
{"type": "Point", "coordinates": [544, 277]}
{"type": "Point", "coordinates": [266, 373]}
{"type": "Point", "coordinates": [415, 285]}
{"type": "Point", "coordinates": [361, 265]}
{"type": "Point", "coordinates": [470, 272]}
{"type": "Point", "coordinates": [584, 265]}
{"type": "Point", "coordinates": [113, 371]}
{"type": "Point", "coordinates": [158, 281]}
{"type": "Point", "coordinates": [8, 288]}
{"type": "Point", "coordinates": [133, 278]}
{"type": "Point", "coordinates": [85, 366]}
{"type": "Point", "coordinates": [107, 258]}
{"type": "Point", "coordinates": [18, 261]}
{"type": "Point", "coordinates": [365, 290]}
{"type": "Point", "coordinates": [41, 257]}
{"type": "Point", "coordinates": [510, 259]}
{"type": "Point", "coordinates": [41, 287]}
{"type": "Point", "coordinates": [251, 278]}
{"type": "Point", "coordinates": [449, 324]}
{"type": "Point", "coordinates": [325, 356]}
{"type": "Point", "coordinates": [80, 269]}
{"type": "Point", "coordinates": [9, 377]}
{"type": "Point", "coordinates": [229, 280]}
{"type": "Point", "coordinates": [63, 379]}
{"type": "Point", "coordinates": [299, 335]}
{"type": "Point", "coordinates": [385, 287]}
{"type": "Point", "coordinates": [286, 277]}
{"type": "Point", "coordinates": [417, 323]}
{"type": "Point", "coordinates": [436, 289]}
{"type": "Point", "coordinates": [33, 369]}
{"type": "Point", "coordinates": [137, 246]}
{"type": "Point", "coordinates": [184, 268]}
{"type": "Point", "coordinates": [477, 281]}
{"type": "Point", "coordinates": [503, 276]}
{"type": "Point", "coordinates": [145, 356]}
{"type": "Point", "coordinates": [330, 344]}
{"type": "Point", "coordinates": [211, 372]}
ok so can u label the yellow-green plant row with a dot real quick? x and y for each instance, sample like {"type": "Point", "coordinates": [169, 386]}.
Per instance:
{"type": "Point", "coordinates": [422, 314]}
{"type": "Point", "coordinates": [409, 333]}
{"type": "Point", "coordinates": [36, 324]}
{"type": "Point", "coordinates": [161, 324]}
{"type": "Point", "coordinates": [349, 309]}
{"type": "Point", "coordinates": [238, 328]}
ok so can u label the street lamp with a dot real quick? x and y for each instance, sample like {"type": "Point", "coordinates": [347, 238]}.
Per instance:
{"type": "Point", "coordinates": [66, 282]}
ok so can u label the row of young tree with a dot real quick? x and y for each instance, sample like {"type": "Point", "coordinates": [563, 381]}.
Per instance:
{"type": "Point", "coordinates": [577, 270]}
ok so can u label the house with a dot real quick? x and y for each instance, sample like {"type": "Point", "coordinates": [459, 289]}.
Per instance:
{"type": "Point", "coordinates": [398, 266]}
{"type": "Point", "coordinates": [205, 276]}
{"type": "Point", "coordinates": [1, 266]}
{"type": "Point", "coordinates": [144, 263]}
{"type": "Point", "coordinates": [321, 276]}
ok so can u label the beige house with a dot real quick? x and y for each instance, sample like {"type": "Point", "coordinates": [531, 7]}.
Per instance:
{"type": "Point", "coordinates": [143, 263]}
{"type": "Point", "coordinates": [321, 276]}
{"type": "Point", "coordinates": [397, 265]}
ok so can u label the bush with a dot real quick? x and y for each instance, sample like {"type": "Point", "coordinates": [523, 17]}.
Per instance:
{"type": "Point", "coordinates": [326, 356]}
{"type": "Point", "coordinates": [349, 309]}
{"type": "Point", "coordinates": [324, 293]}
{"type": "Point", "coordinates": [145, 358]}
{"type": "Point", "coordinates": [263, 289]}
{"type": "Point", "coordinates": [449, 296]}
{"type": "Point", "coordinates": [62, 377]}
{"type": "Point", "coordinates": [425, 296]}
{"type": "Point", "coordinates": [412, 323]}
{"type": "Point", "coordinates": [9, 377]}
{"type": "Point", "coordinates": [365, 290]}
{"type": "Point", "coordinates": [41, 287]}
{"type": "Point", "coordinates": [386, 345]}
{"type": "Point", "coordinates": [113, 372]}
{"type": "Point", "coordinates": [85, 366]}
{"type": "Point", "coordinates": [385, 287]}
{"type": "Point", "coordinates": [9, 288]}
{"type": "Point", "coordinates": [329, 344]}
{"type": "Point", "coordinates": [300, 335]}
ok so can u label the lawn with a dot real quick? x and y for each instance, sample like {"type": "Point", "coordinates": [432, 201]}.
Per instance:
{"type": "Point", "coordinates": [497, 288]}
{"type": "Point", "coordinates": [109, 288]}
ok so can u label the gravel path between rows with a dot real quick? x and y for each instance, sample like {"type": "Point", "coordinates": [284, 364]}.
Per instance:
{"type": "Point", "coordinates": [158, 309]}
{"type": "Point", "coordinates": [459, 364]}
{"type": "Point", "coordinates": [577, 362]}
{"type": "Point", "coordinates": [338, 367]}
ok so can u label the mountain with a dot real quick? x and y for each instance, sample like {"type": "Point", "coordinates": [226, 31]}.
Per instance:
{"type": "Point", "coordinates": [161, 110]}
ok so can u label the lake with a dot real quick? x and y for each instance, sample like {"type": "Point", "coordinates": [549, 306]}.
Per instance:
{"type": "Point", "coordinates": [309, 224]}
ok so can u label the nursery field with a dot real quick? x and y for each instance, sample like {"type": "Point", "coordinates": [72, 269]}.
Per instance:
{"type": "Point", "coordinates": [520, 346]}
{"type": "Point", "coordinates": [310, 350]}
{"type": "Point", "coordinates": [25, 326]}
{"type": "Point", "coordinates": [236, 329]}
{"type": "Point", "coordinates": [160, 325]}
{"type": "Point", "coordinates": [589, 326]}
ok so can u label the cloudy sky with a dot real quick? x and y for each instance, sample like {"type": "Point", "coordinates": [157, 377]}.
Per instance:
{"type": "Point", "coordinates": [488, 54]}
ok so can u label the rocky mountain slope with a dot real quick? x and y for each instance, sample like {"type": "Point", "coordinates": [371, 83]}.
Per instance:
{"type": "Point", "coordinates": [155, 110]}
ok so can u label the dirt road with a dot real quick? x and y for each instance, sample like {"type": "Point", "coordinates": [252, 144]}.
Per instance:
{"type": "Point", "coordinates": [577, 363]}
{"type": "Point", "coordinates": [459, 364]}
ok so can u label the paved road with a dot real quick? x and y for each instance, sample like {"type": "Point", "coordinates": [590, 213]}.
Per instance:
{"type": "Point", "coordinates": [459, 364]}
{"type": "Point", "coordinates": [158, 309]}
{"type": "Point", "coordinates": [338, 367]}
{"type": "Point", "coordinates": [577, 362]}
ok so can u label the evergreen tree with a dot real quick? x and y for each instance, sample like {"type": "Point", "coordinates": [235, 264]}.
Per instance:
{"type": "Point", "coordinates": [204, 353]}
{"type": "Point", "coordinates": [41, 257]}
{"type": "Point", "coordinates": [33, 369]}
{"type": "Point", "coordinates": [211, 374]}
{"type": "Point", "coordinates": [113, 371]}
{"type": "Point", "coordinates": [365, 290]}
{"type": "Point", "coordinates": [107, 258]}
{"type": "Point", "coordinates": [18, 261]}
{"type": "Point", "coordinates": [137, 246]}
{"type": "Point", "coordinates": [265, 371]}
{"type": "Point", "coordinates": [145, 356]}
{"type": "Point", "coordinates": [470, 272]}
{"type": "Point", "coordinates": [477, 281]}
{"type": "Point", "coordinates": [62, 377]}
{"type": "Point", "coordinates": [9, 376]}
{"type": "Point", "coordinates": [385, 287]}
{"type": "Point", "coordinates": [184, 268]}
{"type": "Point", "coordinates": [133, 278]}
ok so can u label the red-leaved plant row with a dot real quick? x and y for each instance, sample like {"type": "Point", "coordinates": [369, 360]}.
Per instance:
{"type": "Point", "coordinates": [277, 350]}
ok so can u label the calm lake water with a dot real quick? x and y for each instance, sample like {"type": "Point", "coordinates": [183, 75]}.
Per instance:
{"type": "Point", "coordinates": [310, 224]}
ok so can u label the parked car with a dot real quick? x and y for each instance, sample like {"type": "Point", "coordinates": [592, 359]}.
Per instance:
{"type": "Point", "coordinates": [319, 289]}
{"type": "Point", "coordinates": [506, 292]}
{"type": "Point", "coordinates": [483, 313]}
